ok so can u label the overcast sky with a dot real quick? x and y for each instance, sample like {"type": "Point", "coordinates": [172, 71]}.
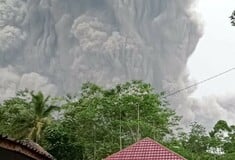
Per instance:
{"type": "Point", "coordinates": [215, 52]}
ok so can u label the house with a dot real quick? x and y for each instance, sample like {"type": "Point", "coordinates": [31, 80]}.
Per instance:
{"type": "Point", "coordinates": [145, 149]}
{"type": "Point", "coordinates": [11, 149]}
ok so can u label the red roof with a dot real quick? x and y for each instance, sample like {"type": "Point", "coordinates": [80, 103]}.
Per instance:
{"type": "Point", "coordinates": [145, 149]}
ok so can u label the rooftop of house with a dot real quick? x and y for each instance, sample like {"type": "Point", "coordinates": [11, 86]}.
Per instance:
{"type": "Point", "coordinates": [24, 147]}
{"type": "Point", "coordinates": [145, 149]}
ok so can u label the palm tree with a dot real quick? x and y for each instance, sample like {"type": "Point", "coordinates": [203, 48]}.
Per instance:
{"type": "Point", "coordinates": [41, 115]}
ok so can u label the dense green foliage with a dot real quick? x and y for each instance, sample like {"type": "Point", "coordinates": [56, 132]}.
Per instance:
{"type": "Point", "coordinates": [107, 120]}
{"type": "Point", "coordinates": [102, 121]}
{"type": "Point", "coordinates": [26, 115]}
{"type": "Point", "coordinates": [218, 144]}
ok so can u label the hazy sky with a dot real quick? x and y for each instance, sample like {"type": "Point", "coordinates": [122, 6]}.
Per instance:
{"type": "Point", "coordinates": [215, 52]}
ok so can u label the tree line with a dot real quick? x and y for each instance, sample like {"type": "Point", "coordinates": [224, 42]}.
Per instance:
{"type": "Point", "coordinates": [101, 121]}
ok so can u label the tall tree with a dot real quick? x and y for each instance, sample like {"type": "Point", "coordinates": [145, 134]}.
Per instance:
{"type": "Point", "coordinates": [41, 114]}
{"type": "Point", "coordinates": [198, 139]}
{"type": "Point", "coordinates": [107, 120]}
{"type": "Point", "coordinates": [26, 115]}
{"type": "Point", "coordinates": [15, 116]}
{"type": "Point", "coordinates": [63, 144]}
{"type": "Point", "coordinates": [196, 144]}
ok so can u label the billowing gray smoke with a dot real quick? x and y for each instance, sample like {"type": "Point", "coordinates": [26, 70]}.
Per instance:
{"type": "Point", "coordinates": [56, 45]}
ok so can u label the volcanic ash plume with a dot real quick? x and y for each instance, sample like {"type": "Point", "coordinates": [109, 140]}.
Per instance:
{"type": "Point", "coordinates": [56, 45]}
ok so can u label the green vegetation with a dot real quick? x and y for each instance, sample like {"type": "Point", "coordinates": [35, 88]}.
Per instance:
{"type": "Point", "coordinates": [26, 115]}
{"type": "Point", "coordinates": [101, 121]}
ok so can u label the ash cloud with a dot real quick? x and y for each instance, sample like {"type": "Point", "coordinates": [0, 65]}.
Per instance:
{"type": "Point", "coordinates": [11, 81]}
{"type": "Point", "coordinates": [208, 110]}
{"type": "Point", "coordinates": [56, 45]}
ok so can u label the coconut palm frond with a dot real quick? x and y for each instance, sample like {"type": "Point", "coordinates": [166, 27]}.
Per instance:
{"type": "Point", "coordinates": [49, 110]}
